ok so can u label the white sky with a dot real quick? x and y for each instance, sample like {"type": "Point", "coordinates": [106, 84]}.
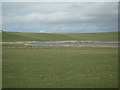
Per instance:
{"type": "Point", "coordinates": [60, 0]}
{"type": "Point", "coordinates": [87, 16]}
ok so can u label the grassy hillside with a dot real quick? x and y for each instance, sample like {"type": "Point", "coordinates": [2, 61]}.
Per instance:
{"type": "Point", "coordinates": [13, 36]}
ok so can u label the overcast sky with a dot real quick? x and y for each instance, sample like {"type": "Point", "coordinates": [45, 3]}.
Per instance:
{"type": "Point", "coordinates": [60, 17]}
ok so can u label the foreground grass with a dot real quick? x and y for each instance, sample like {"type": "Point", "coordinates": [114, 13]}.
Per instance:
{"type": "Point", "coordinates": [15, 37]}
{"type": "Point", "coordinates": [59, 67]}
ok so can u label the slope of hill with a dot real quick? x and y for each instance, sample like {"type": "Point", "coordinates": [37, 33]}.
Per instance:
{"type": "Point", "coordinates": [14, 36]}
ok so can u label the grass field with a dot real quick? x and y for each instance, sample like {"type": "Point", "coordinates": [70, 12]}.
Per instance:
{"type": "Point", "coordinates": [59, 67]}
{"type": "Point", "coordinates": [106, 36]}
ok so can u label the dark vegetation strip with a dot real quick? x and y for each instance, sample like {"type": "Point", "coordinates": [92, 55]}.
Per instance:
{"type": "Point", "coordinates": [50, 46]}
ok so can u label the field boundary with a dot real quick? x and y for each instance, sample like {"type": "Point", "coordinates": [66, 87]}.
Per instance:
{"type": "Point", "coordinates": [59, 42]}
{"type": "Point", "coordinates": [59, 46]}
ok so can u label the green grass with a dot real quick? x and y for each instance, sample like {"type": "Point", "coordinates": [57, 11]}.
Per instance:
{"type": "Point", "coordinates": [59, 67]}
{"type": "Point", "coordinates": [13, 36]}
{"type": "Point", "coordinates": [0, 66]}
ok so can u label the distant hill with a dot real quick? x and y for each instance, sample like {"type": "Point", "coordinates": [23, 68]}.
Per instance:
{"type": "Point", "coordinates": [15, 36]}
